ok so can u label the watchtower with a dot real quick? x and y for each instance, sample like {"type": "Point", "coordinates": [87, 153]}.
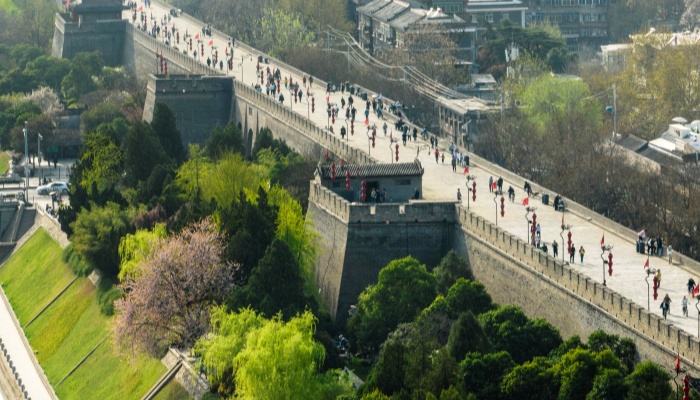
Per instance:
{"type": "Point", "coordinates": [91, 25]}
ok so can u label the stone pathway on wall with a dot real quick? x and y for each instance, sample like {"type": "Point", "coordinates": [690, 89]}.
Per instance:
{"type": "Point", "coordinates": [441, 183]}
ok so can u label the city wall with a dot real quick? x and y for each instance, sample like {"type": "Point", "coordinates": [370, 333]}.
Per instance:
{"type": "Point", "coordinates": [358, 240]}
{"type": "Point", "coordinates": [71, 38]}
{"type": "Point", "coordinates": [515, 272]}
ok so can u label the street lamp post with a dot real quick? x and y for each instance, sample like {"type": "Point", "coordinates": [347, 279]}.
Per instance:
{"type": "Point", "coordinates": [38, 155]}
{"type": "Point", "coordinates": [495, 201]}
{"type": "Point", "coordinates": [469, 178]}
{"type": "Point", "coordinates": [652, 271]}
{"type": "Point", "coordinates": [26, 164]}
{"type": "Point", "coordinates": [698, 308]}
{"type": "Point", "coordinates": [604, 248]}
{"type": "Point", "coordinates": [529, 210]}
{"type": "Point", "coordinates": [561, 235]}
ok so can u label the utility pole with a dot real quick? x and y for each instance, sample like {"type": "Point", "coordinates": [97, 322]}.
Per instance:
{"type": "Point", "coordinates": [614, 110]}
{"type": "Point", "coordinates": [26, 165]}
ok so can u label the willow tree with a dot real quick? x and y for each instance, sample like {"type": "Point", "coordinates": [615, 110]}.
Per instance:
{"type": "Point", "coordinates": [268, 358]}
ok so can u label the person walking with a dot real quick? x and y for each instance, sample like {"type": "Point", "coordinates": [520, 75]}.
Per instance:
{"type": "Point", "coordinates": [437, 155]}
{"type": "Point", "coordinates": [491, 184]}
{"type": "Point", "coordinates": [572, 253]}
{"type": "Point", "coordinates": [658, 278]}
{"type": "Point", "coordinates": [511, 193]}
{"type": "Point", "coordinates": [669, 251]}
{"type": "Point", "coordinates": [454, 164]}
{"type": "Point", "coordinates": [499, 183]}
{"type": "Point", "coordinates": [665, 305]}
{"type": "Point", "coordinates": [555, 249]}
{"type": "Point", "coordinates": [690, 285]}
{"type": "Point", "coordinates": [538, 230]}
{"type": "Point", "coordinates": [459, 195]}
{"type": "Point", "coordinates": [581, 252]}
{"type": "Point", "coordinates": [684, 305]}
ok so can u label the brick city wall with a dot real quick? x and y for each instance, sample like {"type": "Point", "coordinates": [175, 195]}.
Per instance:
{"type": "Point", "coordinates": [200, 103]}
{"type": "Point", "coordinates": [515, 272]}
{"type": "Point", "coordinates": [359, 240]}
{"type": "Point", "coordinates": [70, 38]}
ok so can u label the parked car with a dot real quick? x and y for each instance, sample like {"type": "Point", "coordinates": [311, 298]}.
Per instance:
{"type": "Point", "coordinates": [58, 187]}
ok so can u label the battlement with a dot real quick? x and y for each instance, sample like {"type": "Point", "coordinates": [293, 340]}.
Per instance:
{"type": "Point", "coordinates": [652, 327]}
{"type": "Point", "coordinates": [183, 84]}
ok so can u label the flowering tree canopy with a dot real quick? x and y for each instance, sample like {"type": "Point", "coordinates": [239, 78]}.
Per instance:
{"type": "Point", "coordinates": [168, 302]}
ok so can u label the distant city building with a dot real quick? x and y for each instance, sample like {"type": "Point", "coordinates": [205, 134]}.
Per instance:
{"type": "Point", "coordinates": [584, 23]}
{"type": "Point", "coordinates": [382, 25]}
{"type": "Point", "coordinates": [613, 56]}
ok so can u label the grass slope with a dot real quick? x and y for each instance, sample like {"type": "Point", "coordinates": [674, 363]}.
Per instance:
{"type": "Point", "coordinates": [172, 391]}
{"type": "Point", "coordinates": [71, 327]}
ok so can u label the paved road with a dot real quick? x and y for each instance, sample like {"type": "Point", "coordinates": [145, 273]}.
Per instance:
{"type": "Point", "coordinates": [441, 183]}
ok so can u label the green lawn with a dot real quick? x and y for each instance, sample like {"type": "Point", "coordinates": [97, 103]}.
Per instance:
{"type": "Point", "coordinates": [172, 391]}
{"type": "Point", "coordinates": [4, 157]}
{"type": "Point", "coordinates": [71, 327]}
{"type": "Point", "coordinates": [34, 275]}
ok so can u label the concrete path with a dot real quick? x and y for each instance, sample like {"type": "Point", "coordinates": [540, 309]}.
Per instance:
{"type": "Point", "coordinates": [441, 183]}
{"type": "Point", "coordinates": [20, 354]}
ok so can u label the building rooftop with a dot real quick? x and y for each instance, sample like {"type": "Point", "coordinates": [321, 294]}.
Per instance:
{"type": "Point", "coordinates": [480, 5]}
{"type": "Point", "coordinates": [371, 170]}
{"type": "Point", "coordinates": [464, 105]}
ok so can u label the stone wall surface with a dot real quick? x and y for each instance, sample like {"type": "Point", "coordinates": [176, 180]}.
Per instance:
{"type": "Point", "coordinates": [106, 36]}
{"type": "Point", "coordinates": [515, 272]}
{"type": "Point", "coordinates": [200, 103]}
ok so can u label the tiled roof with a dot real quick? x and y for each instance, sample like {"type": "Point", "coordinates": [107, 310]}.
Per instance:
{"type": "Point", "coordinates": [372, 170]}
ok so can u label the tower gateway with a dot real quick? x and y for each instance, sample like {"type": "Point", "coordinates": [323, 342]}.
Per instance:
{"type": "Point", "coordinates": [91, 25]}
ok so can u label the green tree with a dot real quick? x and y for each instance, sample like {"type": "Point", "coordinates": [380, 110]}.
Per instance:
{"type": "Point", "coordinates": [250, 229]}
{"type": "Point", "coordinates": [608, 384]}
{"type": "Point", "coordinates": [275, 285]}
{"type": "Point", "coordinates": [135, 248]}
{"type": "Point", "coordinates": [48, 70]}
{"type": "Point", "coordinates": [624, 349]}
{"type": "Point", "coordinates": [533, 380]}
{"type": "Point", "coordinates": [466, 336]}
{"type": "Point", "coordinates": [85, 67]}
{"type": "Point", "coordinates": [576, 372]}
{"type": "Point", "coordinates": [97, 233]}
{"type": "Point", "coordinates": [482, 373]}
{"type": "Point", "coordinates": [281, 32]}
{"type": "Point", "coordinates": [271, 359]}
{"type": "Point", "coordinates": [228, 139]}
{"type": "Point", "coordinates": [264, 140]}
{"type": "Point", "coordinates": [404, 288]}
{"type": "Point", "coordinates": [165, 128]}
{"type": "Point", "coordinates": [468, 296]}
{"type": "Point", "coordinates": [101, 113]}
{"type": "Point", "coordinates": [143, 153]}
{"type": "Point", "coordinates": [387, 376]}
{"type": "Point", "coordinates": [648, 381]}
{"type": "Point", "coordinates": [509, 329]}
{"type": "Point", "coordinates": [102, 163]}
{"type": "Point", "coordinates": [452, 267]}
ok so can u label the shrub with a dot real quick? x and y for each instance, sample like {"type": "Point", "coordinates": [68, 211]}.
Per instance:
{"type": "Point", "coordinates": [77, 265]}
{"type": "Point", "coordinates": [107, 294]}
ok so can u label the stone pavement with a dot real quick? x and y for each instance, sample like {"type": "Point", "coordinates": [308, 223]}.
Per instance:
{"type": "Point", "coordinates": [441, 183]}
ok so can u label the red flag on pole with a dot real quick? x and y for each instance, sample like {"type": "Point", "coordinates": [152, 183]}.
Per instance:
{"type": "Point", "coordinates": [562, 220]}
{"type": "Point", "coordinates": [602, 241]}
{"type": "Point", "coordinates": [696, 291]}
{"type": "Point", "coordinates": [196, 36]}
{"type": "Point", "coordinates": [494, 185]}
{"type": "Point", "coordinates": [139, 9]}
{"type": "Point", "coordinates": [678, 364]}
{"type": "Point", "coordinates": [366, 121]}
{"type": "Point", "coordinates": [526, 201]}
{"type": "Point", "coordinates": [646, 264]}
{"type": "Point", "coordinates": [211, 42]}
{"type": "Point", "coordinates": [466, 170]}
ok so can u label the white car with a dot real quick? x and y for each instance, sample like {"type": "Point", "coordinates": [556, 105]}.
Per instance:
{"type": "Point", "coordinates": [58, 187]}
